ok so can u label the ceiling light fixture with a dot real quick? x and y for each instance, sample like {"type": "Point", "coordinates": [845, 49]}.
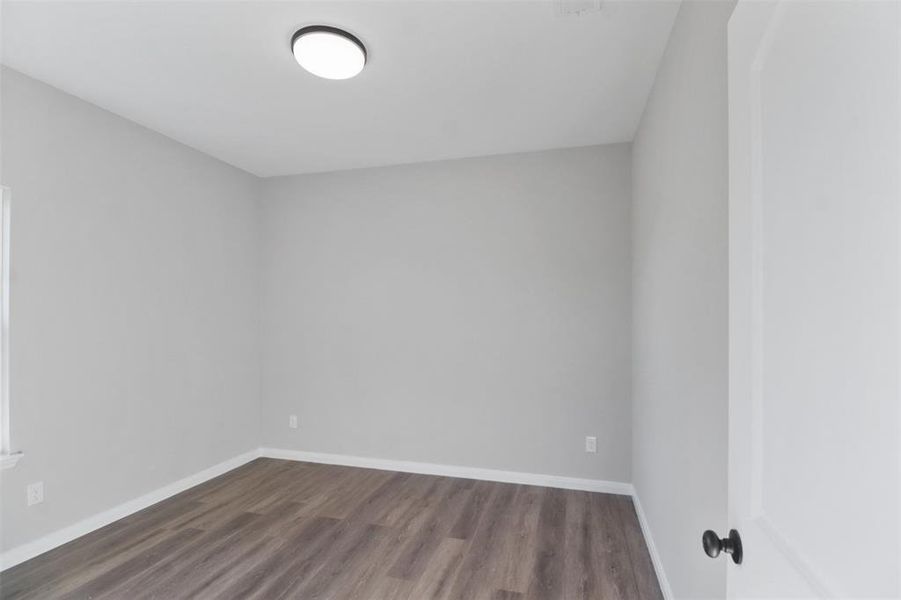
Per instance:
{"type": "Point", "coordinates": [328, 52]}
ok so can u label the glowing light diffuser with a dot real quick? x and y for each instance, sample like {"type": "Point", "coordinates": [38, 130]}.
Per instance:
{"type": "Point", "coordinates": [328, 52]}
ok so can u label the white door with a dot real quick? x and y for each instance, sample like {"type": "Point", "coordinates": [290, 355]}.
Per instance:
{"type": "Point", "coordinates": [815, 216]}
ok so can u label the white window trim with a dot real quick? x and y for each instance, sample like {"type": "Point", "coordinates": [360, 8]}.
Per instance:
{"type": "Point", "coordinates": [8, 458]}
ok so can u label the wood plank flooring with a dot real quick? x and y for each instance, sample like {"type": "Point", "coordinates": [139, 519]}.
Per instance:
{"type": "Point", "coordinates": [280, 529]}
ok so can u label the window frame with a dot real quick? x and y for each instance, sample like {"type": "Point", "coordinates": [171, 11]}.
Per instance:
{"type": "Point", "coordinates": [8, 458]}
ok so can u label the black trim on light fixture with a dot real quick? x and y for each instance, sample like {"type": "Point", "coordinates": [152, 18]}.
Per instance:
{"type": "Point", "coordinates": [334, 30]}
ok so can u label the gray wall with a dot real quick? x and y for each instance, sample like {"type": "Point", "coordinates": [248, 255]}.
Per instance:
{"type": "Point", "coordinates": [472, 312]}
{"type": "Point", "coordinates": [134, 309]}
{"type": "Point", "coordinates": [680, 286]}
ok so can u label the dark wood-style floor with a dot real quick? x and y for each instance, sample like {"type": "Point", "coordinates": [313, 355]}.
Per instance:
{"type": "Point", "coordinates": [280, 529]}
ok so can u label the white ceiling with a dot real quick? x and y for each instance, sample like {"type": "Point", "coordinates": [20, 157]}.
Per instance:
{"type": "Point", "coordinates": [445, 78]}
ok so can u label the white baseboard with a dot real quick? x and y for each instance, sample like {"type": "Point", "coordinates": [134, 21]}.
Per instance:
{"type": "Point", "coordinates": [29, 550]}
{"type": "Point", "coordinates": [554, 481]}
{"type": "Point", "coordinates": [652, 549]}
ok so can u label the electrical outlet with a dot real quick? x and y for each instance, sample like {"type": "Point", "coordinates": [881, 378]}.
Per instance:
{"type": "Point", "coordinates": [591, 444]}
{"type": "Point", "coordinates": [292, 421]}
{"type": "Point", "coordinates": [34, 493]}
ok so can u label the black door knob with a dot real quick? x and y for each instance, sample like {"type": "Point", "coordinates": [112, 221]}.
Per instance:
{"type": "Point", "coordinates": [731, 545]}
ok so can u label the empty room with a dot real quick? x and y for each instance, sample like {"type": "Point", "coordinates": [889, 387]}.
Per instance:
{"type": "Point", "coordinates": [450, 299]}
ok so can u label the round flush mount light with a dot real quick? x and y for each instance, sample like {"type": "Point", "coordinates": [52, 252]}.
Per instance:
{"type": "Point", "coordinates": [328, 52]}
